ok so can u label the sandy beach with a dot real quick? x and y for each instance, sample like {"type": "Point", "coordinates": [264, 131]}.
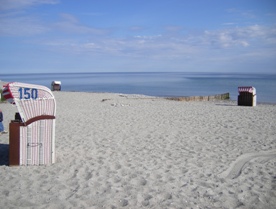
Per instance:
{"type": "Point", "coordinates": [134, 151]}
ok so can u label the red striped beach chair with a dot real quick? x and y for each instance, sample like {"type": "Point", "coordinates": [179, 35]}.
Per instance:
{"type": "Point", "coordinates": [32, 138]}
{"type": "Point", "coordinates": [247, 96]}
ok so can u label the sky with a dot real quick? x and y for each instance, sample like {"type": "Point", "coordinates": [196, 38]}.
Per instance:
{"type": "Point", "coordinates": [52, 36]}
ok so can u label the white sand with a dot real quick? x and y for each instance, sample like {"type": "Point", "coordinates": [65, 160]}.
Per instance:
{"type": "Point", "coordinates": [130, 151]}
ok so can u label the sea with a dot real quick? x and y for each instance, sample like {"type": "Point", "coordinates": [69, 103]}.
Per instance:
{"type": "Point", "coordinates": [160, 84]}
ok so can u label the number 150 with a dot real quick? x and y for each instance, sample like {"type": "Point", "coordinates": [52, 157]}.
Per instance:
{"type": "Point", "coordinates": [28, 93]}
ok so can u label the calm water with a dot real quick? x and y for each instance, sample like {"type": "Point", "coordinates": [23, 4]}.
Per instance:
{"type": "Point", "coordinates": [157, 84]}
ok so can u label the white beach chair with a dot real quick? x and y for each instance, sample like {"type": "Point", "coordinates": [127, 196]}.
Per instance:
{"type": "Point", "coordinates": [32, 139]}
{"type": "Point", "coordinates": [247, 96]}
{"type": "Point", "coordinates": [56, 85]}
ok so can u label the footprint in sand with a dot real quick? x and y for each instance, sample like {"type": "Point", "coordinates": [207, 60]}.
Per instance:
{"type": "Point", "coordinates": [237, 166]}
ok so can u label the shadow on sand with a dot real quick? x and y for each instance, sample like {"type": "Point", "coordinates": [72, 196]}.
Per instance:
{"type": "Point", "coordinates": [227, 104]}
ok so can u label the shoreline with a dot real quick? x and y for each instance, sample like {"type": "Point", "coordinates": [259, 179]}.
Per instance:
{"type": "Point", "coordinates": [172, 96]}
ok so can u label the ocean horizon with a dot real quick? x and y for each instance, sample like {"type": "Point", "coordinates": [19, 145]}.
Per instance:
{"type": "Point", "coordinates": [160, 84]}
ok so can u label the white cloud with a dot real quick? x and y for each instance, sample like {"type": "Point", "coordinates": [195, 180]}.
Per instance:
{"type": "Point", "coordinates": [21, 26]}
{"type": "Point", "coordinates": [70, 24]}
{"type": "Point", "coordinates": [248, 14]}
{"type": "Point", "coordinates": [21, 4]}
{"type": "Point", "coordinates": [15, 21]}
{"type": "Point", "coordinates": [148, 37]}
{"type": "Point", "coordinates": [217, 43]}
{"type": "Point", "coordinates": [229, 23]}
{"type": "Point", "coordinates": [240, 37]}
{"type": "Point", "coordinates": [138, 47]}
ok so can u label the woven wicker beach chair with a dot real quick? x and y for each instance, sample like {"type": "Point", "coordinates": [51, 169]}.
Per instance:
{"type": "Point", "coordinates": [32, 133]}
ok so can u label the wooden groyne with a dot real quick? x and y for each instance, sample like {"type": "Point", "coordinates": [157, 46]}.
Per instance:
{"type": "Point", "coordinates": [224, 96]}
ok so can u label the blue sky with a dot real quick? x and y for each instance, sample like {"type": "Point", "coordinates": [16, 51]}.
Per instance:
{"type": "Point", "coordinates": [137, 36]}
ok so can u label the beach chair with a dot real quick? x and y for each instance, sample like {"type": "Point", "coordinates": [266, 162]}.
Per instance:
{"type": "Point", "coordinates": [32, 133]}
{"type": "Point", "coordinates": [247, 96]}
{"type": "Point", "coordinates": [56, 85]}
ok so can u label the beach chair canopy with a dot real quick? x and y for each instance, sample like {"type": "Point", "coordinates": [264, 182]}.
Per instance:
{"type": "Point", "coordinates": [56, 82]}
{"type": "Point", "coordinates": [31, 100]}
{"type": "Point", "coordinates": [249, 89]}
{"type": "Point", "coordinates": [56, 85]}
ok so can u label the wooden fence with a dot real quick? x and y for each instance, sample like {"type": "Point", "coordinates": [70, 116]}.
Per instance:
{"type": "Point", "coordinates": [224, 96]}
